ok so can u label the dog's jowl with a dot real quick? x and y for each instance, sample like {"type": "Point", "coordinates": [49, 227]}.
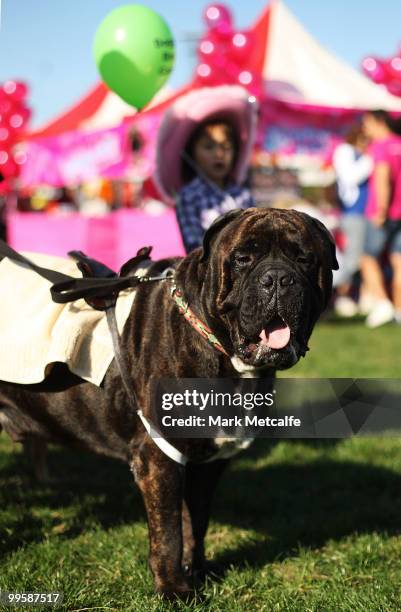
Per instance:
{"type": "Point", "coordinates": [258, 286]}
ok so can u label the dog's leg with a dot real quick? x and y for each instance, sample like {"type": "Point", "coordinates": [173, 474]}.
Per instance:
{"type": "Point", "coordinates": [35, 450]}
{"type": "Point", "coordinates": [161, 483]}
{"type": "Point", "coordinates": [187, 540]}
{"type": "Point", "coordinates": [200, 484]}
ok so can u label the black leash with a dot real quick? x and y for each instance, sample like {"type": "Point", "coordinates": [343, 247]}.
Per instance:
{"type": "Point", "coordinates": [100, 292]}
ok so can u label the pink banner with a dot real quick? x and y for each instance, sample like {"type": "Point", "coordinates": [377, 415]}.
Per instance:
{"type": "Point", "coordinates": [290, 129]}
{"type": "Point", "coordinates": [75, 157]}
{"type": "Point", "coordinates": [112, 239]}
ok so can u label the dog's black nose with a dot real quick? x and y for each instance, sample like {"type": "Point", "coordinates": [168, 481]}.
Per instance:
{"type": "Point", "coordinates": [281, 277]}
{"type": "Point", "coordinates": [268, 279]}
{"type": "Point", "coordinates": [286, 279]}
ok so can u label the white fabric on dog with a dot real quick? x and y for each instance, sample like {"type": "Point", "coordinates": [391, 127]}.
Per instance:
{"type": "Point", "coordinates": [36, 332]}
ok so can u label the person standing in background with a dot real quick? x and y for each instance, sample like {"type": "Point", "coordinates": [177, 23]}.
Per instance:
{"type": "Point", "coordinates": [352, 167]}
{"type": "Point", "coordinates": [383, 213]}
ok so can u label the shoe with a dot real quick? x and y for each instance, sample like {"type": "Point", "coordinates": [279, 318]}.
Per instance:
{"type": "Point", "coordinates": [382, 313]}
{"type": "Point", "coordinates": [366, 304]}
{"type": "Point", "coordinates": [345, 307]}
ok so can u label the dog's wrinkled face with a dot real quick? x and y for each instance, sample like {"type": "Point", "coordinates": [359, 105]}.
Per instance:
{"type": "Point", "coordinates": [272, 281]}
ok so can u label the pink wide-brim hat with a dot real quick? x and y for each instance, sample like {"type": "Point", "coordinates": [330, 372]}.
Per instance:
{"type": "Point", "coordinates": [230, 103]}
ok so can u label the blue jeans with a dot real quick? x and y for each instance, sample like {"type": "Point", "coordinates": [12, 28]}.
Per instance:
{"type": "Point", "coordinates": [388, 236]}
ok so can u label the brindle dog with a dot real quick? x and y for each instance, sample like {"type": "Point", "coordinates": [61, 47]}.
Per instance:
{"type": "Point", "coordinates": [259, 271]}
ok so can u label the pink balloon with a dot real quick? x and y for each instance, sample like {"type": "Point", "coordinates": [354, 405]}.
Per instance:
{"type": "Point", "coordinates": [232, 70]}
{"type": "Point", "coordinates": [210, 47]}
{"type": "Point", "coordinates": [16, 121]}
{"type": "Point", "coordinates": [4, 187]}
{"type": "Point", "coordinates": [19, 118]}
{"type": "Point", "coordinates": [220, 61]}
{"type": "Point", "coordinates": [206, 74]}
{"type": "Point", "coordinates": [20, 158]}
{"type": "Point", "coordinates": [393, 66]}
{"type": "Point", "coordinates": [20, 92]}
{"type": "Point", "coordinates": [375, 69]}
{"type": "Point", "coordinates": [216, 14]}
{"type": "Point", "coordinates": [207, 47]}
{"type": "Point", "coordinates": [246, 77]}
{"type": "Point", "coordinates": [241, 44]}
{"type": "Point", "coordinates": [4, 155]}
{"type": "Point", "coordinates": [6, 107]}
{"type": "Point", "coordinates": [223, 31]}
{"type": "Point", "coordinates": [5, 136]}
{"type": "Point", "coordinates": [8, 168]}
{"type": "Point", "coordinates": [369, 64]}
{"type": "Point", "coordinates": [9, 87]}
{"type": "Point", "coordinates": [394, 88]}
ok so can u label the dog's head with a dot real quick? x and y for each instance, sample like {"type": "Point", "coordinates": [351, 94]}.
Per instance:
{"type": "Point", "coordinates": [265, 275]}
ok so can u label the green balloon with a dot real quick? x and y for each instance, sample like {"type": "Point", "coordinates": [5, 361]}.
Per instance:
{"type": "Point", "coordinates": [134, 53]}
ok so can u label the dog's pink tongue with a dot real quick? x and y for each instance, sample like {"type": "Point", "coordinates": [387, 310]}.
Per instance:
{"type": "Point", "coordinates": [277, 337]}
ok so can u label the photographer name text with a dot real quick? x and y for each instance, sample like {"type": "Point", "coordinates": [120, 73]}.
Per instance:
{"type": "Point", "coordinates": [236, 421]}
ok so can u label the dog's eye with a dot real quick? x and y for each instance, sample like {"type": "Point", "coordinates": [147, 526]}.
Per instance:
{"type": "Point", "coordinates": [242, 259]}
{"type": "Point", "coordinates": [306, 260]}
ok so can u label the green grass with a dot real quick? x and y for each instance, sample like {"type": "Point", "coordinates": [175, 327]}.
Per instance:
{"type": "Point", "coordinates": [297, 525]}
{"type": "Point", "coordinates": [345, 348]}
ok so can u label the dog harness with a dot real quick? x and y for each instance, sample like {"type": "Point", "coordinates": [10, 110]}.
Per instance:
{"type": "Point", "coordinates": [100, 287]}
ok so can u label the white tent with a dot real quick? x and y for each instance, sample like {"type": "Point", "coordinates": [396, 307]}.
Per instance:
{"type": "Point", "coordinates": [297, 69]}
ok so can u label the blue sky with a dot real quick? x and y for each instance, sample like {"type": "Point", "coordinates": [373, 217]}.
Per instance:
{"type": "Point", "coordinates": [48, 43]}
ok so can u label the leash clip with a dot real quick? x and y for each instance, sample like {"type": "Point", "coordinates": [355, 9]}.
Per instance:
{"type": "Point", "coordinates": [168, 274]}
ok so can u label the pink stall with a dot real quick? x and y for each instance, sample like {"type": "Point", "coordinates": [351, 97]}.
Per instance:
{"type": "Point", "coordinates": [112, 239]}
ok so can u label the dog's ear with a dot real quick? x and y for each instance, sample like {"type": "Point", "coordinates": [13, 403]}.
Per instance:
{"type": "Point", "coordinates": [327, 237]}
{"type": "Point", "coordinates": [328, 260]}
{"type": "Point", "coordinates": [216, 226]}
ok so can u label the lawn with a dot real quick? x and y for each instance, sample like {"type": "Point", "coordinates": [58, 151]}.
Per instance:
{"type": "Point", "coordinates": [345, 348]}
{"type": "Point", "coordinates": [297, 525]}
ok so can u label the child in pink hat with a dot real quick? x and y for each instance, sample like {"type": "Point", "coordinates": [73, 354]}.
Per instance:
{"type": "Point", "coordinates": [204, 145]}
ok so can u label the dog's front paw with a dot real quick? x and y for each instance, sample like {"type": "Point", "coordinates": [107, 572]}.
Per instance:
{"type": "Point", "coordinates": [198, 572]}
{"type": "Point", "coordinates": [171, 592]}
